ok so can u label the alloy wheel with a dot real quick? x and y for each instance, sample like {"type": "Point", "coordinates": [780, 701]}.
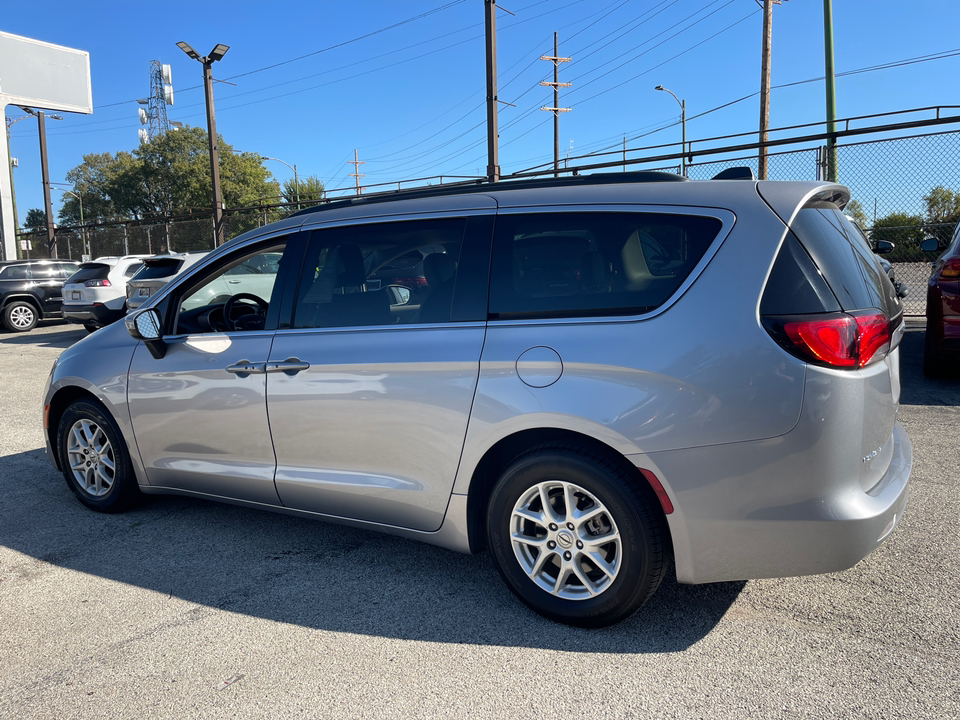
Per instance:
{"type": "Point", "coordinates": [91, 458]}
{"type": "Point", "coordinates": [22, 317]}
{"type": "Point", "coordinates": [565, 540]}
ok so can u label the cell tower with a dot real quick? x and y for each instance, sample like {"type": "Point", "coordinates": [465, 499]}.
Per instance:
{"type": "Point", "coordinates": [161, 95]}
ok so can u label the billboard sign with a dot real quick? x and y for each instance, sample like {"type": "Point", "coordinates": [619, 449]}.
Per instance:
{"type": "Point", "coordinates": [40, 75]}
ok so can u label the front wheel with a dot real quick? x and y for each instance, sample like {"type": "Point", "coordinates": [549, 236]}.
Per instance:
{"type": "Point", "coordinates": [94, 458]}
{"type": "Point", "coordinates": [20, 316]}
{"type": "Point", "coordinates": [576, 537]}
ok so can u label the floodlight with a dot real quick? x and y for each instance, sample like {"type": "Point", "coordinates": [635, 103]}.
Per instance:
{"type": "Point", "coordinates": [188, 50]}
{"type": "Point", "coordinates": [218, 52]}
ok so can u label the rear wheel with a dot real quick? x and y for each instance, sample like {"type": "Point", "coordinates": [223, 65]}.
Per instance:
{"type": "Point", "coordinates": [575, 537]}
{"type": "Point", "coordinates": [20, 316]}
{"type": "Point", "coordinates": [90, 327]}
{"type": "Point", "coordinates": [94, 458]}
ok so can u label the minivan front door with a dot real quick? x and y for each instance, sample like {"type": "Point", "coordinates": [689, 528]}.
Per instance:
{"type": "Point", "coordinates": [199, 413]}
{"type": "Point", "coordinates": [369, 390]}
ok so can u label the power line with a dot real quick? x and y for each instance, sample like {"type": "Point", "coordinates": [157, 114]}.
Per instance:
{"type": "Point", "coordinates": [322, 50]}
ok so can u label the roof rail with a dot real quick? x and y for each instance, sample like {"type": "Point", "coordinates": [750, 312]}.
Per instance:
{"type": "Point", "coordinates": [645, 176]}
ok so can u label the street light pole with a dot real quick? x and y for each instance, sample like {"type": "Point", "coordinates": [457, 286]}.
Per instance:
{"type": "Point", "coordinates": [296, 180]}
{"type": "Point", "coordinates": [216, 54]}
{"type": "Point", "coordinates": [83, 230]}
{"type": "Point", "coordinates": [683, 123]}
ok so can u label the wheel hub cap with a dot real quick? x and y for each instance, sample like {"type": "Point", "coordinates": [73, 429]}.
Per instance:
{"type": "Point", "coordinates": [91, 457]}
{"type": "Point", "coordinates": [565, 540]}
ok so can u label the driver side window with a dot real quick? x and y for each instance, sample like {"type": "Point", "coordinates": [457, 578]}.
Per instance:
{"type": "Point", "coordinates": [234, 297]}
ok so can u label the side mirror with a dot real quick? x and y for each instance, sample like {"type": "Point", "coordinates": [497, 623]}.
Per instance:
{"type": "Point", "coordinates": [930, 244]}
{"type": "Point", "coordinates": [145, 325]}
{"type": "Point", "coordinates": [399, 295]}
{"type": "Point", "coordinates": [883, 247]}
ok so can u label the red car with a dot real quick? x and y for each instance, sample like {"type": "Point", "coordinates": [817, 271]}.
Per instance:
{"type": "Point", "coordinates": [942, 348]}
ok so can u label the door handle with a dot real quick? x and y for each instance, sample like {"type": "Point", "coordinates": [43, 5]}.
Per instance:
{"type": "Point", "coordinates": [290, 366]}
{"type": "Point", "coordinates": [245, 367]}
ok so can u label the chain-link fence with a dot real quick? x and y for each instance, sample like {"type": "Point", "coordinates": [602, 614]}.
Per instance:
{"type": "Point", "coordinates": [903, 190]}
{"type": "Point", "coordinates": [894, 185]}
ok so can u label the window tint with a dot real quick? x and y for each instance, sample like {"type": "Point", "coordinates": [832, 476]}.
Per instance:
{"type": "Point", "coordinates": [90, 272]}
{"type": "Point", "coordinates": [132, 270]}
{"type": "Point", "coordinates": [351, 275]}
{"type": "Point", "coordinates": [65, 270]}
{"type": "Point", "coordinates": [575, 264]}
{"type": "Point", "coordinates": [16, 272]}
{"type": "Point", "coordinates": [851, 269]}
{"type": "Point", "coordinates": [203, 305]}
{"type": "Point", "coordinates": [157, 269]}
{"type": "Point", "coordinates": [45, 271]}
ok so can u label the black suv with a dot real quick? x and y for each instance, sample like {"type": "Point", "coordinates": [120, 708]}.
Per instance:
{"type": "Point", "coordinates": [31, 290]}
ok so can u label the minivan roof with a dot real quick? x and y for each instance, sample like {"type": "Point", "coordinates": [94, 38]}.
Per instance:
{"type": "Point", "coordinates": [481, 186]}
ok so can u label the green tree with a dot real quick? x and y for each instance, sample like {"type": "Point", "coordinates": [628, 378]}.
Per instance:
{"type": "Point", "coordinates": [903, 230]}
{"type": "Point", "coordinates": [92, 181]}
{"type": "Point", "coordinates": [36, 219]}
{"type": "Point", "coordinates": [943, 205]}
{"type": "Point", "coordinates": [855, 210]}
{"type": "Point", "coordinates": [311, 189]}
{"type": "Point", "coordinates": [943, 212]}
{"type": "Point", "coordinates": [168, 174]}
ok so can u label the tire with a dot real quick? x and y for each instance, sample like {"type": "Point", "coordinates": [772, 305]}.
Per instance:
{"type": "Point", "coordinates": [90, 328]}
{"type": "Point", "coordinates": [20, 316]}
{"type": "Point", "coordinates": [94, 458]}
{"type": "Point", "coordinates": [573, 587]}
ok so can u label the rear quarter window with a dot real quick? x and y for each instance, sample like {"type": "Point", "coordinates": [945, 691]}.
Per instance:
{"type": "Point", "coordinates": [158, 269]}
{"type": "Point", "coordinates": [583, 264]}
{"type": "Point", "coordinates": [847, 264]}
{"type": "Point", "coordinates": [15, 272]}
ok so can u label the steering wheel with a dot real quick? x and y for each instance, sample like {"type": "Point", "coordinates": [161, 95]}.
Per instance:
{"type": "Point", "coordinates": [230, 304]}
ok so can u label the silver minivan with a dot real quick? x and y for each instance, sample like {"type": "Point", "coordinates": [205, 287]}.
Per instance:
{"type": "Point", "coordinates": [597, 376]}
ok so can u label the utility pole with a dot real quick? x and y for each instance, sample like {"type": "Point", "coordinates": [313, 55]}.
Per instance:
{"type": "Point", "coordinates": [765, 64]}
{"type": "Point", "coordinates": [357, 162]}
{"type": "Point", "coordinates": [556, 109]}
{"type": "Point", "coordinates": [831, 90]}
{"type": "Point", "coordinates": [51, 240]}
{"type": "Point", "coordinates": [493, 136]}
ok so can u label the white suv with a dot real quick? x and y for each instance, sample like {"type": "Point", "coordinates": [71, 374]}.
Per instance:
{"type": "Point", "coordinates": [95, 295]}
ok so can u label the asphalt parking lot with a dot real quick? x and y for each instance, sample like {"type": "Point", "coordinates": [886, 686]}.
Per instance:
{"type": "Point", "coordinates": [191, 609]}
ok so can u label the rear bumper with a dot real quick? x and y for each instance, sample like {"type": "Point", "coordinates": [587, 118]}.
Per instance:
{"type": "Point", "coordinates": [93, 314]}
{"type": "Point", "coordinates": [754, 510]}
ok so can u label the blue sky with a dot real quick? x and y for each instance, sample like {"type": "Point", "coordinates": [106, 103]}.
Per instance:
{"type": "Point", "coordinates": [410, 99]}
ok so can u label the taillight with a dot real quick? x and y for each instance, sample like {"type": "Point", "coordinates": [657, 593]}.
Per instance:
{"type": "Point", "coordinates": [97, 283]}
{"type": "Point", "coordinates": [837, 340]}
{"type": "Point", "coordinates": [951, 269]}
{"type": "Point", "coordinates": [409, 281]}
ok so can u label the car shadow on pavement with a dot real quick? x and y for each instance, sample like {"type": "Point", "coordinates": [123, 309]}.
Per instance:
{"type": "Point", "coordinates": [313, 574]}
{"type": "Point", "coordinates": [916, 388]}
{"type": "Point", "coordinates": [62, 339]}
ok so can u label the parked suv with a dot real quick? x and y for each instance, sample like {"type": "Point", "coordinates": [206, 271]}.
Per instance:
{"type": "Point", "coordinates": [156, 272]}
{"type": "Point", "coordinates": [603, 373]}
{"type": "Point", "coordinates": [941, 351]}
{"type": "Point", "coordinates": [96, 294]}
{"type": "Point", "coordinates": [31, 290]}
